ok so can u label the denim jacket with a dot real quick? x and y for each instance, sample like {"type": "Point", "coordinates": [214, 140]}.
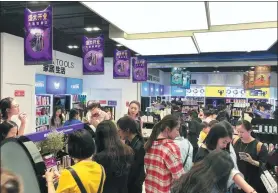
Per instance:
{"type": "Point", "coordinates": [185, 147]}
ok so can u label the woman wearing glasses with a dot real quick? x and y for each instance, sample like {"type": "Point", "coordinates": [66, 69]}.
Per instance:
{"type": "Point", "coordinates": [9, 108]}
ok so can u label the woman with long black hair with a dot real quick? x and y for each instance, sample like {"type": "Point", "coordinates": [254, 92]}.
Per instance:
{"type": "Point", "coordinates": [209, 175]}
{"type": "Point", "coordinates": [127, 129]}
{"type": "Point", "coordinates": [114, 156]}
{"type": "Point", "coordinates": [163, 160]}
{"type": "Point", "coordinates": [57, 119]}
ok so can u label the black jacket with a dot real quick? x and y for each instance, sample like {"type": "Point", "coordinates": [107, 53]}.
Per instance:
{"type": "Point", "coordinates": [137, 173]}
{"type": "Point", "coordinates": [194, 128]}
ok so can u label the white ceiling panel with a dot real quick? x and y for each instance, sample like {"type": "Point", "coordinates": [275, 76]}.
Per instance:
{"type": "Point", "coordinates": [160, 46]}
{"type": "Point", "coordinates": [230, 41]}
{"type": "Point", "coordinates": [222, 13]}
{"type": "Point", "coordinates": [149, 17]}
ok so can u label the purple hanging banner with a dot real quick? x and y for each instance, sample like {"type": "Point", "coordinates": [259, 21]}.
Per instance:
{"type": "Point", "coordinates": [38, 37]}
{"type": "Point", "coordinates": [139, 70]}
{"type": "Point", "coordinates": [121, 66]}
{"type": "Point", "coordinates": [93, 58]}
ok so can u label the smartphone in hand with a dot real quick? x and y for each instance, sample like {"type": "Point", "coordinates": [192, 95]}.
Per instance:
{"type": "Point", "coordinates": [242, 155]}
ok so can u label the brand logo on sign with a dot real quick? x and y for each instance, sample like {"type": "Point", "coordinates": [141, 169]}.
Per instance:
{"type": "Point", "coordinates": [39, 84]}
{"type": "Point", "coordinates": [63, 63]}
{"type": "Point", "coordinates": [56, 85]}
{"type": "Point", "coordinates": [75, 86]}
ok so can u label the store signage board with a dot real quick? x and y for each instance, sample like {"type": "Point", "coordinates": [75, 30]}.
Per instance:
{"type": "Point", "coordinates": [176, 77]}
{"type": "Point", "coordinates": [232, 92]}
{"type": "Point", "coordinates": [112, 103]}
{"type": "Point", "coordinates": [121, 64]}
{"type": "Point", "coordinates": [139, 70]}
{"type": "Point", "coordinates": [195, 91]}
{"type": "Point", "coordinates": [262, 76]}
{"type": "Point", "coordinates": [93, 56]}
{"type": "Point", "coordinates": [74, 86]}
{"type": "Point", "coordinates": [263, 93]}
{"type": "Point", "coordinates": [56, 85]}
{"type": "Point", "coordinates": [39, 136]}
{"type": "Point", "coordinates": [38, 36]}
{"type": "Point", "coordinates": [40, 84]}
{"type": "Point", "coordinates": [145, 91]}
{"type": "Point", "coordinates": [212, 91]}
{"type": "Point", "coordinates": [177, 91]}
{"type": "Point", "coordinates": [19, 93]}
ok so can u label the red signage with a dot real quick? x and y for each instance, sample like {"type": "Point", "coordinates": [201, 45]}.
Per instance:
{"type": "Point", "coordinates": [19, 93]}
{"type": "Point", "coordinates": [102, 102]}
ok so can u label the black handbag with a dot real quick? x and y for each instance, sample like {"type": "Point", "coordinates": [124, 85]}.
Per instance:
{"type": "Point", "coordinates": [79, 183]}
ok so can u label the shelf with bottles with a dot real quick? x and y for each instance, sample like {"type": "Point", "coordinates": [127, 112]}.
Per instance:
{"type": "Point", "coordinates": [238, 102]}
{"type": "Point", "coordinates": [198, 100]}
{"type": "Point", "coordinates": [236, 112]}
{"type": "Point", "coordinates": [265, 129]}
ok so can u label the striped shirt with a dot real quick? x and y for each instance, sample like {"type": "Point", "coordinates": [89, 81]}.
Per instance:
{"type": "Point", "coordinates": [163, 164]}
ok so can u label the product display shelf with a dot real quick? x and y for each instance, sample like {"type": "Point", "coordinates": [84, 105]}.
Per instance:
{"type": "Point", "coordinates": [43, 111]}
{"type": "Point", "coordinates": [266, 131]}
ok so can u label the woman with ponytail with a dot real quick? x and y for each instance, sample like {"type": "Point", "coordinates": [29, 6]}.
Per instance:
{"type": "Point", "coordinates": [163, 161]}
{"type": "Point", "coordinates": [127, 129]}
{"type": "Point", "coordinates": [9, 108]}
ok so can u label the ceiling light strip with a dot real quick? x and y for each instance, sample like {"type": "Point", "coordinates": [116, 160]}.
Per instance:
{"type": "Point", "coordinates": [196, 44]}
{"type": "Point", "coordinates": [208, 14]}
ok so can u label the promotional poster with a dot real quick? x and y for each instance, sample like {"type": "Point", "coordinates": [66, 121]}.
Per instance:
{"type": "Point", "coordinates": [251, 76]}
{"type": "Point", "coordinates": [56, 84]}
{"type": "Point", "coordinates": [121, 66]}
{"type": "Point", "coordinates": [245, 81]}
{"type": "Point", "coordinates": [186, 77]}
{"type": "Point", "coordinates": [93, 55]}
{"type": "Point", "coordinates": [139, 70]}
{"type": "Point", "coordinates": [262, 76]}
{"type": "Point", "coordinates": [38, 37]}
{"type": "Point", "coordinates": [176, 77]}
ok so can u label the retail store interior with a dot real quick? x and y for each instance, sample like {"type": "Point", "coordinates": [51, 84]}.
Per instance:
{"type": "Point", "coordinates": [157, 96]}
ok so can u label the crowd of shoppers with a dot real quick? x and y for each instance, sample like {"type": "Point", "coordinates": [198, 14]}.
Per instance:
{"type": "Point", "coordinates": [204, 157]}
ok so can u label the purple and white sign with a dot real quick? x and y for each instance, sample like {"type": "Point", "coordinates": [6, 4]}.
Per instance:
{"type": "Point", "coordinates": [56, 85]}
{"type": "Point", "coordinates": [139, 70]}
{"type": "Point", "coordinates": [93, 58]}
{"type": "Point", "coordinates": [39, 136]}
{"type": "Point", "coordinates": [38, 36]}
{"type": "Point", "coordinates": [121, 66]}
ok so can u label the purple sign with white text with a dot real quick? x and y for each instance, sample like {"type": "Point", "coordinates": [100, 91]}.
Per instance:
{"type": "Point", "coordinates": [121, 66]}
{"type": "Point", "coordinates": [38, 36]}
{"type": "Point", "coordinates": [56, 85]}
{"type": "Point", "coordinates": [139, 70]}
{"type": "Point", "coordinates": [93, 58]}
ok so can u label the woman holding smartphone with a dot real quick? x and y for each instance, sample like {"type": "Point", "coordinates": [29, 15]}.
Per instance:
{"type": "Point", "coordinates": [251, 155]}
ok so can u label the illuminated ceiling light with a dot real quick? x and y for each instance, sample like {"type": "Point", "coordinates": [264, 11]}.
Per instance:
{"type": "Point", "coordinates": [241, 40]}
{"type": "Point", "coordinates": [160, 46]}
{"type": "Point", "coordinates": [70, 47]}
{"type": "Point", "coordinates": [223, 13]}
{"type": "Point", "coordinates": [155, 17]}
{"type": "Point", "coordinates": [89, 29]}
{"type": "Point", "coordinates": [252, 67]}
{"type": "Point", "coordinates": [136, 54]}
{"type": "Point", "coordinates": [75, 46]}
{"type": "Point", "coordinates": [119, 45]}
